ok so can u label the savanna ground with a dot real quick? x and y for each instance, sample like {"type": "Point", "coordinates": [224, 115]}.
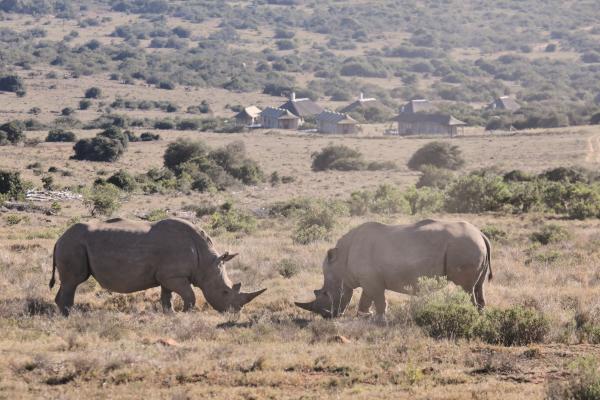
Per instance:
{"type": "Point", "coordinates": [122, 346]}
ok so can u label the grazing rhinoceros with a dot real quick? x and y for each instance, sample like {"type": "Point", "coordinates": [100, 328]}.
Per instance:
{"type": "Point", "coordinates": [377, 257]}
{"type": "Point", "coordinates": [128, 256]}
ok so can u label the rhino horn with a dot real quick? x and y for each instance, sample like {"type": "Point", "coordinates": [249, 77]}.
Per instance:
{"type": "Point", "coordinates": [248, 297]}
{"type": "Point", "coordinates": [310, 306]}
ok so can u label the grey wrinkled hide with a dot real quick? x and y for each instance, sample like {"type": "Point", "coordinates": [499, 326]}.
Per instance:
{"type": "Point", "coordinates": [128, 256]}
{"type": "Point", "coordinates": [378, 257]}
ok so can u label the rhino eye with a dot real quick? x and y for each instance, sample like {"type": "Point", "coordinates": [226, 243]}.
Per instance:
{"type": "Point", "coordinates": [225, 292]}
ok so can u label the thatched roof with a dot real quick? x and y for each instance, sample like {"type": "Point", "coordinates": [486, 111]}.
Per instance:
{"type": "Point", "coordinates": [442, 119]}
{"type": "Point", "coordinates": [505, 103]}
{"type": "Point", "coordinates": [417, 106]}
{"type": "Point", "coordinates": [277, 113]}
{"type": "Point", "coordinates": [336, 118]}
{"type": "Point", "coordinates": [360, 103]}
{"type": "Point", "coordinates": [302, 107]}
{"type": "Point", "coordinates": [249, 112]}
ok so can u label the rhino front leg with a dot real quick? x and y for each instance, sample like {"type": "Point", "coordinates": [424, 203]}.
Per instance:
{"type": "Point", "coordinates": [364, 305]}
{"type": "Point", "coordinates": [184, 289]}
{"type": "Point", "coordinates": [380, 306]}
{"type": "Point", "coordinates": [165, 299]}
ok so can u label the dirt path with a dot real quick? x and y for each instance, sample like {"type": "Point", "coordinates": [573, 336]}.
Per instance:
{"type": "Point", "coordinates": [593, 149]}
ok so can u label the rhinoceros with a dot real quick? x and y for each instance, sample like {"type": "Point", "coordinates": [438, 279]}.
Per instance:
{"type": "Point", "coordinates": [379, 257]}
{"type": "Point", "coordinates": [128, 256]}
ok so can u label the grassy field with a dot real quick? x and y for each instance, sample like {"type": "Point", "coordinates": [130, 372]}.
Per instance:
{"type": "Point", "coordinates": [123, 346]}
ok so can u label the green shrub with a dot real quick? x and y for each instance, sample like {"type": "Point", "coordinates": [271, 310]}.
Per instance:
{"type": "Point", "coordinates": [230, 219]}
{"type": "Point", "coordinates": [11, 83]}
{"type": "Point", "coordinates": [515, 326]}
{"type": "Point", "coordinates": [494, 233]}
{"type": "Point", "coordinates": [526, 196]}
{"type": "Point", "coordinates": [564, 174]}
{"type": "Point", "coordinates": [424, 200]}
{"type": "Point", "coordinates": [84, 104]}
{"type": "Point", "coordinates": [290, 208]}
{"type": "Point", "coordinates": [123, 180]}
{"type": "Point", "coordinates": [388, 199]}
{"type": "Point", "coordinates": [181, 151]}
{"type": "Point", "coordinates": [99, 148]}
{"type": "Point", "coordinates": [381, 165]}
{"type": "Point", "coordinates": [583, 382]}
{"type": "Point", "coordinates": [434, 177]}
{"type": "Point", "coordinates": [438, 154]}
{"type": "Point", "coordinates": [317, 222]}
{"type": "Point", "coordinates": [60, 135]}
{"type": "Point", "coordinates": [475, 193]}
{"type": "Point", "coordinates": [288, 268]}
{"type": "Point", "coordinates": [337, 157]}
{"type": "Point", "coordinates": [11, 185]}
{"type": "Point", "coordinates": [148, 137]}
{"type": "Point", "coordinates": [157, 215]}
{"type": "Point", "coordinates": [443, 311]}
{"type": "Point", "coordinates": [12, 132]}
{"type": "Point", "coordinates": [584, 202]}
{"type": "Point", "coordinates": [550, 233]}
{"type": "Point", "coordinates": [93, 93]}
{"type": "Point", "coordinates": [360, 202]}
{"type": "Point", "coordinates": [102, 199]}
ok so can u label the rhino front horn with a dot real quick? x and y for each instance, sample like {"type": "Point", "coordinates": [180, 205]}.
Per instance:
{"type": "Point", "coordinates": [248, 297]}
{"type": "Point", "coordinates": [306, 306]}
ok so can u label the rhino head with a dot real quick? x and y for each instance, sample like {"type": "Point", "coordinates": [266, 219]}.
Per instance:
{"type": "Point", "coordinates": [333, 298]}
{"type": "Point", "coordinates": [220, 293]}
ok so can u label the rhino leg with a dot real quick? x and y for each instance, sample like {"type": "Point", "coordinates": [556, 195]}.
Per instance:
{"type": "Point", "coordinates": [479, 292]}
{"type": "Point", "coordinates": [165, 299]}
{"type": "Point", "coordinates": [364, 305]}
{"type": "Point", "coordinates": [65, 298]}
{"type": "Point", "coordinates": [183, 288]}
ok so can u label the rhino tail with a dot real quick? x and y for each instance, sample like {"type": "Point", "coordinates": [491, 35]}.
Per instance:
{"type": "Point", "coordinates": [53, 279]}
{"type": "Point", "coordinates": [488, 257]}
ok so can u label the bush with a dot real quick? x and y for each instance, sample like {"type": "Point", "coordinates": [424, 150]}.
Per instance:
{"type": "Point", "coordinates": [515, 326]}
{"type": "Point", "coordinates": [181, 151]}
{"type": "Point", "coordinates": [230, 219]}
{"type": "Point", "coordinates": [148, 137]}
{"type": "Point", "coordinates": [336, 156]}
{"type": "Point", "coordinates": [12, 132]}
{"type": "Point", "coordinates": [11, 83]}
{"type": "Point", "coordinates": [381, 165]}
{"type": "Point", "coordinates": [550, 233]}
{"type": "Point", "coordinates": [164, 124]}
{"type": "Point", "coordinates": [434, 177]}
{"type": "Point", "coordinates": [475, 194]}
{"type": "Point", "coordinates": [388, 199]}
{"type": "Point", "coordinates": [93, 93]}
{"type": "Point", "coordinates": [290, 208]}
{"type": "Point", "coordinates": [424, 200]}
{"type": "Point", "coordinates": [98, 149]}
{"type": "Point", "coordinates": [437, 154]}
{"type": "Point", "coordinates": [102, 199]}
{"type": "Point", "coordinates": [564, 174]}
{"type": "Point", "coordinates": [11, 185]}
{"type": "Point", "coordinates": [84, 104]}
{"type": "Point", "coordinates": [317, 222]}
{"type": "Point", "coordinates": [443, 311]}
{"type": "Point", "coordinates": [288, 268]}
{"type": "Point", "coordinates": [60, 135]}
{"type": "Point", "coordinates": [583, 382]}
{"type": "Point", "coordinates": [123, 180]}
{"type": "Point", "coordinates": [494, 233]}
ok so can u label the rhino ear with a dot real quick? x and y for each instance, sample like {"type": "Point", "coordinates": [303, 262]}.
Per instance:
{"type": "Point", "coordinates": [236, 287]}
{"type": "Point", "coordinates": [227, 256]}
{"type": "Point", "coordinates": [331, 255]}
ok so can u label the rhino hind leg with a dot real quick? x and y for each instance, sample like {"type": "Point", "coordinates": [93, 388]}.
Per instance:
{"type": "Point", "coordinates": [183, 288]}
{"type": "Point", "coordinates": [364, 304]}
{"type": "Point", "coordinates": [165, 299]}
{"type": "Point", "coordinates": [479, 292]}
{"type": "Point", "coordinates": [65, 298]}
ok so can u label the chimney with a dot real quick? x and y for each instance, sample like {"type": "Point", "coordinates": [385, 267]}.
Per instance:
{"type": "Point", "coordinates": [293, 96]}
{"type": "Point", "coordinates": [361, 98]}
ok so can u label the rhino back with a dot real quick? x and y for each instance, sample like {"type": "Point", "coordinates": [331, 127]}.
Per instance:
{"type": "Point", "coordinates": [397, 255]}
{"type": "Point", "coordinates": [127, 256]}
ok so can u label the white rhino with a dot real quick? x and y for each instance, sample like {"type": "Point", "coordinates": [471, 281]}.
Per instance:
{"type": "Point", "coordinates": [379, 257]}
{"type": "Point", "coordinates": [128, 256]}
